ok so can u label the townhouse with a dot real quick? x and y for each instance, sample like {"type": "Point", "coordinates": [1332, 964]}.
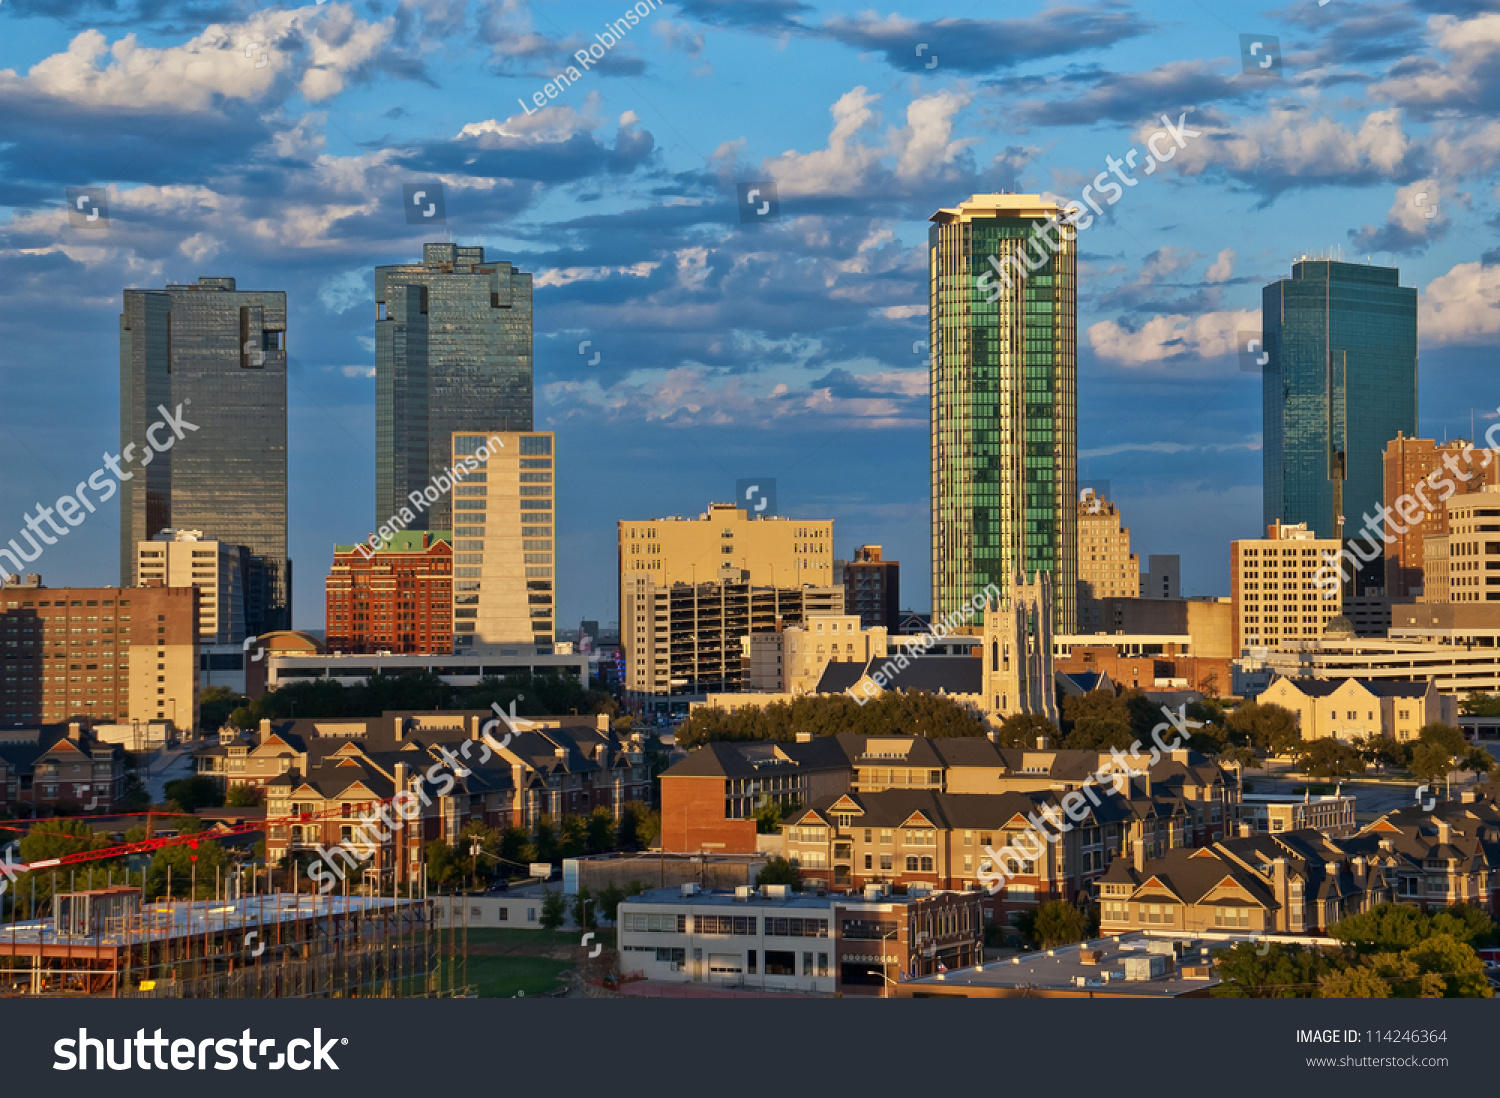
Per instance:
{"type": "Point", "coordinates": [49, 767]}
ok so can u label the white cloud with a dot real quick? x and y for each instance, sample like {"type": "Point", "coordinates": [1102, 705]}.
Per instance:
{"type": "Point", "coordinates": [1468, 77]}
{"type": "Point", "coordinates": [562, 276]}
{"type": "Point", "coordinates": [1163, 338]}
{"type": "Point", "coordinates": [1222, 268]}
{"type": "Point", "coordinates": [1462, 306]}
{"type": "Point", "coordinates": [1289, 142]}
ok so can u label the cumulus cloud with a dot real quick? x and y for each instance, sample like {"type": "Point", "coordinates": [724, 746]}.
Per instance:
{"type": "Point", "coordinates": [1462, 306]}
{"type": "Point", "coordinates": [1164, 340]}
{"type": "Point", "coordinates": [1222, 268]}
{"type": "Point", "coordinates": [1468, 79]}
{"type": "Point", "coordinates": [1415, 217]}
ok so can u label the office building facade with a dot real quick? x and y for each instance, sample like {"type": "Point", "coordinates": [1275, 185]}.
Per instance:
{"type": "Point", "coordinates": [397, 598]}
{"type": "Point", "coordinates": [1339, 383]}
{"type": "Point", "coordinates": [504, 571]}
{"type": "Point", "coordinates": [1278, 586]}
{"type": "Point", "coordinates": [1003, 400]}
{"type": "Point", "coordinates": [872, 588]}
{"type": "Point", "coordinates": [215, 356]}
{"type": "Point", "coordinates": [1419, 468]}
{"type": "Point", "coordinates": [181, 558]}
{"type": "Point", "coordinates": [452, 353]}
{"type": "Point", "coordinates": [1106, 566]}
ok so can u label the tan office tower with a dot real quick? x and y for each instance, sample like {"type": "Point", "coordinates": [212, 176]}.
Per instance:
{"type": "Point", "coordinates": [1410, 462]}
{"type": "Point", "coordinates": [1002, 283]}
{"type": "Point", "coordinates": [1106, 566]}
{"type": "Point", "coordinates": [1474, 546]}
{"type": "Point", "coordinates": [504, 579]}
{"type": "Point", "coordinates": [181, 558]}
{"type": "Point", "coordinates": [99, 653]}
{"type": "Point", "coordinates": [1276, 593]}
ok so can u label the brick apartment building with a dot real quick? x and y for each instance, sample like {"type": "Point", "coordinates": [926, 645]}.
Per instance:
{"type": "Point", "coordinates": [1302, 882]}
{"type": "Point", "coordinates": [45, 768]}
{"type": "Point", "coordinates": [774, 939]}
{"type": "Point", "coordinates": [872, 588]}
{"type": "Point", "coordinates": [345, 767]}
{"type": "Point", "coordinates": [98, 654]}
{"type": "Point", "coordinates": [397, 599]}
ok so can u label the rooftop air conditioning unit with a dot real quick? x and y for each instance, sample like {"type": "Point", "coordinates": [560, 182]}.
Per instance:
{"type": "Point", "coordinates": [690, 888]}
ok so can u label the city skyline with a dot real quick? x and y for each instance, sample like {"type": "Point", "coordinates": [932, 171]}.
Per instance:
{"type": "Point", "coordinates": [626, 216]}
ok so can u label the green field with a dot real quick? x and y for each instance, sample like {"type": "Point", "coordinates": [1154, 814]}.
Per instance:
{"type": "Point", "coordinates": [503, 977]}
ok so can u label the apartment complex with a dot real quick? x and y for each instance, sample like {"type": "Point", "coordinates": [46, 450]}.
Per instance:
{"type": "Point", "coordinates": [1340, 382]}
{"type": "Point", "coordinates": [1106, 566]}
{"type": "Point", "coordinates": [1302, 882]}
{"type": "Point", "coordinates": [98, 654]}
{"type": "Point", "coordinates": [215, 356]}
{"type": "Point", "coordinates": [1350, 708]}
{"type": "Point", "coordinates": [773, 939]}
{"type": "Point", "coordinates": [1268, 813]}
{"type": "Point", "coordinates": [397, 598]}
{"type": "Point", "coordinates": [690, 639]}
{"type": "Point", "coordinates": [44, 768]}
{"type": "Point", "coordinates": [181, 558]}
{"type": "Point", "coordinates": [1426, 470]}
{"type": "Point", "coordinates": [1277, 591]}
{"type": "Point", "coordinates": [772, 552]}
{"type": "Point", "coordinates": [453, 338]}
{"type": "Point", "coordinates": [872, 588]}
{"type": "Point", "coordinates": [1002, 272]}
{"type": "Point", "coordinates": [504, 571]}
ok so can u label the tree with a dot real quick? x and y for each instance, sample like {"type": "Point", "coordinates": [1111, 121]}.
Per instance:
{"type": "Point", "coordinates": [215, 704]}
{"type": "Point", "coordinates": [1328, 758]}
{"type": "Point", "coordinates": [475, 841]}
{"type": "Point", "coordinates": [599, 830]}
{"type": "Point", "coordinates": [187, 863]}
{"type": "Point", "coordinates": [1357, 982]}
{"type": "Point", "coordinates": [891, 713]}
{"type": "Point", "coordinates": [609, 901]}
{"type": "Point", "coordinates": [573, 840]}
{"type": "Point", "coordinates": [769, 814]}
{"type": "Point", "coordinates": [1054, 923]}
{"type": "Point", "coordinates": [1096, 721]}
{"type": "Point", "coordinates": [1280, 972]}
{"type": "Point", "coordinates": [554, 910]}
{"type": "Point", "coordinates": [1026, 730]}
{"type": "Point", "coordinates": [1478, 760]}
{"type": "Point", "coordinates": [1430, 761]}
{"type": "Point", "coordinates": [640, 826]}
{"type": "Point", "coordinates": [191, 794]}
{"type": "Point", "coordinates": [1445, 736]}
{"type": "Point", "coordinates": [543, 840]}
{"type": "Point", "coordinates": [443, 866]}
{"type": "Point", "coordinates": [1267, 727]}
{"type": "Point", "coordinates": [514, 849]}
{"type": "Point", "coordinates": [1384, 752]}
{"type": "Point", "coordinates": [779, 871]}
{"type": "Point", "coordinates": [242, 796]}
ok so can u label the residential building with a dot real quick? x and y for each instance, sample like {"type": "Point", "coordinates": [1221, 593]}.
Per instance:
{"type": "Point", "coordinates": [1339, 383]}
{"type": "Point", "coordinates": [1162, 578]}
{"type": "Point", "coordinates": [774, 939]}
{"type": "Point", "coordinates": [397, 598]}
{"type": "Point", "coordinates": [214, 356]}
{"type": "Point", "coordinates": [98, 654]}
{"type": "Point", "coordinates": [1268, 813]}
{"type": "Point", "coordinates": [1425, 469]}
{"type": "Point", "coordinates": [1473, 557]}
{"type": "Point", "coordinates": [1004, 392]}
{"type": "Point", "coordinates": [775, 552]}
{"type": "Point", "coordinates": [872, 589]}
{"type": "Point", "coordinates": [45, 768]}
{"type": "Point", "coordinates": [1449, 854]}
{"type": "Point", "coordinates": [687, 640]}
{"type": "Point", "coordinates": [1277, 590]}
{"type": "Point", "coordinates": [453, 339]}
{"type": "Point", "coordinates": [1348, 708]}
{"type": "Point", "coordinates": [504, 573]}
{"type": "Point", "coordinates": [1106, 566]}
{"type": "Point", "coordinates": [181, 558]}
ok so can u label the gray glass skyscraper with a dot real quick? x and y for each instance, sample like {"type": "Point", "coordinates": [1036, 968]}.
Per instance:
{"type": "Point", "coordinates": [220, 353]}
{"type": "Point", "coordinates": [1004, 392]}
{"type": "Point", "coordinates": [1339, 383]}
{"type": "Point", "coordinates": [452, 353]}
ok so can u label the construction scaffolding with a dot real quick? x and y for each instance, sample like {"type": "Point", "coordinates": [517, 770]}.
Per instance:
{"type": "Point", "coordinates": [110, 942]}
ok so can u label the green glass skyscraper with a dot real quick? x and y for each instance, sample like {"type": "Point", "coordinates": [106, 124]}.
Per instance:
{"type": "Point", "coordinates": [452, 353]}
{"type": "Point", "coordinates": [1339, 382]}
{"type": "Point", "coordinates": [1004, 392]}
{"type": "Point", "coordinates": [219, 353]}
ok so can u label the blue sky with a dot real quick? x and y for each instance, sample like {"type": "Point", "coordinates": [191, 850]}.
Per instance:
{"type": "Point", "coordinates": [271, 144]}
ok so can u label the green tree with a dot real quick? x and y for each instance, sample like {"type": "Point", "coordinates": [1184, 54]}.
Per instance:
{"type": "Point", "coordinates": [242, 796]}
{"type": "Point", "coordinates": [476, 841]}
{"type": "Point", "coordinates": [1054, 923]}
{"type": "Point", "coordinates": [1281, 972]}
{"type": "Point", "coordinates": [609, 901]}
{"type": "Point", "coordinates": [1328, 758]}
{"type": "Point", "coordinates": [1267, 727]}
{"type": "Point", "coordinates": [1478, 760]}
{"type": "Point", "coordinates": [1026, 729]}
{"type": "Point", "coordinates": [779, 871]}
{"type": "Point", "coordinates": [892, 713]}
{"type": "Point", "coordinates": [187, 862]}
{"type": "Point", "coordinates": [1445, 736]}
{"type": "Point", "coordinates": [443, 866]}
{"type": "Point", "coordinates": [1096, 721]}
{"type": "Point", "coordinates": [554, 910]}
{"type": "Point", "coordinates": [600, 830]}
{"type": "Point", "coordinates": [215, 704]}
{"type": "Point", "coordinates": [1430, 761]}
{"type": "Point", "coordinates": [544, 846]}
{"type": "Point", "coordinates": [769, 814]}
{"type": "Point", "coordinates": [515, 849]}
{"type": "Point", "coordinates": [573, 840]}
{"type": "Point", "coordinates": [191, 794]}
{"type": "Point", "coordinates": [1354, 982]}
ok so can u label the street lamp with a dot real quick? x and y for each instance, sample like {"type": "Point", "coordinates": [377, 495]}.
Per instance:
{"type": "Point", "coordinates": [885, 988]}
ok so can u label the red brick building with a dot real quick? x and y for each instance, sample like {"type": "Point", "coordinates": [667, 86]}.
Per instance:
{"type": "Point", "coordinates": [397, 599]}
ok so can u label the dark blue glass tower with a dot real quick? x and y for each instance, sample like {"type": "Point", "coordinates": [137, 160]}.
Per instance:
{"type": "Point", "coordinates": [1340, 383]}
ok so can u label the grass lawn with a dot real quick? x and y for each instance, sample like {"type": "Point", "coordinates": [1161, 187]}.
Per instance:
{"type": "Point", "coordinates": [503, 977]}
{"type": "Point", "coordinates": [543, 942]}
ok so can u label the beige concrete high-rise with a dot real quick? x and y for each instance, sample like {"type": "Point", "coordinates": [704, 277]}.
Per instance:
{"type": "Point", "coordinates": [774, 552]}
{"type": "Point", "coordinates": [1106, 566]}
{"type": "Point", "coordinates": [504, 573]}
{"type": "Point", "coordinates": [1429, 471]}
{"type": "Point", "coordinates": [1278, 593]}
{"type": "Point", "coordinates": [181, 558]}
{"type": "Point", "coordinates": [1474, 546]}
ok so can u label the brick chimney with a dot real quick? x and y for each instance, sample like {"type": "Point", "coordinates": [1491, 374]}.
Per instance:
{"type": "Point", "coordinates": [1138, 855]}
{"type": "Point", "coordinates": [75, 731]}
{"type": "Point", "coordinates": [265, 727]}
